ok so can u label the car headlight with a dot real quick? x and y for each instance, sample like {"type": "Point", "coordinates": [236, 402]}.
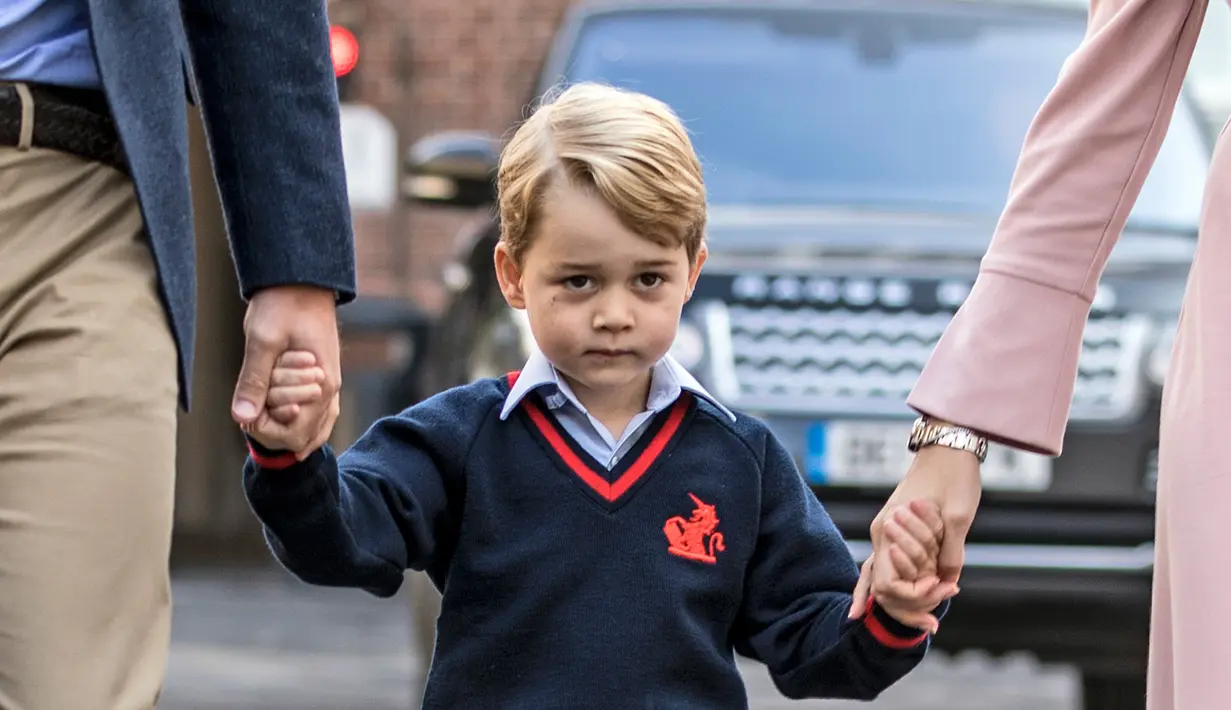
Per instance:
{"type": "Point", "coordinates": [1159, 358]}
{"type": "Point", "coordinates": [689, 346]}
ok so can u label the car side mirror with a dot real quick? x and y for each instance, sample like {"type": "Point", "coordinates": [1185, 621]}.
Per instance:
{"type": "Point", "coordinates": [451, 169]}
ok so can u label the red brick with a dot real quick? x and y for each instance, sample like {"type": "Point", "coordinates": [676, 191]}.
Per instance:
{"type": "Point", "coordinates": [433, 65]}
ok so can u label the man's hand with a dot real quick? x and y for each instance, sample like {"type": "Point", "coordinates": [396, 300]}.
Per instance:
{"type": "Point", "coordinates": [946, 477]}
{"type": "Point", "coordinates": [285, 318]}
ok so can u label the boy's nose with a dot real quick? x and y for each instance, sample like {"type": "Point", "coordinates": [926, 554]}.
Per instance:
{"type": "Point", "coordinates": [614, 314]}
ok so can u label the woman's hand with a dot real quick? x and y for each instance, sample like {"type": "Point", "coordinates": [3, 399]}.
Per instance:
{"type": "Point", "coordinates": [947, 477]}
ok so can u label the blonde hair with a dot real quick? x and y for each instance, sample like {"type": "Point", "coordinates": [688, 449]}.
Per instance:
{"type": "Point", "coordinates": [630, 149]}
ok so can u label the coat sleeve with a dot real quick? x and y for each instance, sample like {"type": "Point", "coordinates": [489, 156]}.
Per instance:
{"type": "Point", "coordinates": [1081, 169]}
{"type": "Point", "coordinates": [269, 103]}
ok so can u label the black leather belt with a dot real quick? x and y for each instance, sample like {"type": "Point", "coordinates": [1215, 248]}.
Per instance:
{"type": "Point", "coordinates": [75, 121]}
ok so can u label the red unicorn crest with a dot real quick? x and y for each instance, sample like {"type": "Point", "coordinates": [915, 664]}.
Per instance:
{"type": "Point", "coordinates": [688, 538]}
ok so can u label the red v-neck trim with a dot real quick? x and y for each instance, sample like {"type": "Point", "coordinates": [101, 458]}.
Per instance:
{"type": "Point", "coordinates": [609, 491]}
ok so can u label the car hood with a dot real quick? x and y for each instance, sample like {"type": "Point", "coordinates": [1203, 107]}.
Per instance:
{"type": "Point", "coordinates": [1149, 266]}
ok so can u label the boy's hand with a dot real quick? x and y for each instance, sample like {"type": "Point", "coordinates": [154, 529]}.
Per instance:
{"type": "Point", "coordinates": [909, 582]}
{"type": "Point", "coordinates": [914, 533]}
{"type": "Point", "coordinates": [295, 381]}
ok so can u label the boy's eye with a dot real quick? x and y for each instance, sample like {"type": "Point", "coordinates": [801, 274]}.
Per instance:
{"type": "Point", "coordinates": [577, 283]}
{"type": "Point", "coordinates": [650, 280]}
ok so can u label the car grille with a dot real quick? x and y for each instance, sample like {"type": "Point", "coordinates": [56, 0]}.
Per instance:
{"type": "Point", "coordinates": [815, 358]}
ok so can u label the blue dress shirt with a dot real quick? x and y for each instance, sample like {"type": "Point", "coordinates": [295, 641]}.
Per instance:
{"type": "Point", "coordinates": [47, 41]}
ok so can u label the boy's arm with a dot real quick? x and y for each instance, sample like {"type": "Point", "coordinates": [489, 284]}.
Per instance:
{"type": "Point", "coordinates": [390, 503]}
{"type": "Point", "coordinates": [797, 596]}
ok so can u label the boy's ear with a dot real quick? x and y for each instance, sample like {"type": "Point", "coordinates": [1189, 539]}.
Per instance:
{"type": "Point", "coordinates": [508, 273]}
{"type": "Point", "coordinates": [695, 270]}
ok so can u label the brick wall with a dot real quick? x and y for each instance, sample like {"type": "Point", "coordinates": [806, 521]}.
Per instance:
{"type": "Point", "coordinates": [434, 65]}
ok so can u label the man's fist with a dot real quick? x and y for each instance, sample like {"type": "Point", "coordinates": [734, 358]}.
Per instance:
{"type": "Point", "coordinates": [281, 319]}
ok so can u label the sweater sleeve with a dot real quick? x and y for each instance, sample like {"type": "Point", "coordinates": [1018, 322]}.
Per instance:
{"type": "Point", "coordinates": [798, 594]}
{"type": "Point", "coordinates": [390, 503]}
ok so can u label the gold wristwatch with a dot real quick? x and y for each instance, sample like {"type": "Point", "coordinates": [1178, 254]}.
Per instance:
{"type": "Point", "coordinates": [926, 432]}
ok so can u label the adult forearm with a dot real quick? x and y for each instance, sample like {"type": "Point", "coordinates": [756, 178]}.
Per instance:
{"type": "Point", "coordinates": [269, 103]}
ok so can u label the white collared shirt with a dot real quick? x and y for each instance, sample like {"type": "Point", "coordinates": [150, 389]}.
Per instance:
{"type": "Point", "coordinates": [668, 379]}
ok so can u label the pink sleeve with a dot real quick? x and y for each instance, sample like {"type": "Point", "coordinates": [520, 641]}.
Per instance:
{"type": "Point", "coordinates": [1007, 364]}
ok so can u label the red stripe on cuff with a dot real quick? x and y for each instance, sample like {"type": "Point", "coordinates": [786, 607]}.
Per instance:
{"type": "Point", "coordinates": [275, 462]}
{"type": "Point", "coordinates": [884, 636]}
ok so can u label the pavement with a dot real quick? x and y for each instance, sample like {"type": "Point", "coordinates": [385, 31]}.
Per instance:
{"type": "Point", "coordinates": [256, 639]}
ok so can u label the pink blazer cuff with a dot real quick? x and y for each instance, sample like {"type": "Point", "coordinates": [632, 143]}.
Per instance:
{"type": "Point", "coordinates": [1007, 364]}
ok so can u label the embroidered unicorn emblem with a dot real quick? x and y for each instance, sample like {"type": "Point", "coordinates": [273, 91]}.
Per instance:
{"type": "Point", "coordinates": [695, 539]}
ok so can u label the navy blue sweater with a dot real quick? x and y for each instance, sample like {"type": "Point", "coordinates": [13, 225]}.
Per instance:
{"type": "Point", "coordinates": [567, 588]}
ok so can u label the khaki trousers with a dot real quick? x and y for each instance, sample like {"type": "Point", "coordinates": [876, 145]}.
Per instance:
{"type": "Point", "coordinates": [88, 388]}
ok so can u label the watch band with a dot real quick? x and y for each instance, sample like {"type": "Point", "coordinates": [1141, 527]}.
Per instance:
{"type": "Point", "coordinates": [926, 432]}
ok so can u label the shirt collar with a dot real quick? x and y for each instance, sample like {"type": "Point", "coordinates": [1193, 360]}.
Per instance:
{"type": "Point", "coordinates": [667, 380]}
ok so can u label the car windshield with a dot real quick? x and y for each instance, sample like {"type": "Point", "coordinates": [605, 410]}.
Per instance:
{"type": "Point", "coordinates": [884, 110]}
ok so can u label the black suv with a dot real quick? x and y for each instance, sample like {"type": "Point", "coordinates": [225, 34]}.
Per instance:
{"type": "Point", "coordinates": [858, 155]}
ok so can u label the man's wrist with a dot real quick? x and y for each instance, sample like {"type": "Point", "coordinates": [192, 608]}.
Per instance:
{"type": "Point", "coordinates": [300, 291]}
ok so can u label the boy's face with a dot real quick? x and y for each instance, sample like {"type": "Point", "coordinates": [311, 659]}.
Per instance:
{"type": "Point", "coordinates": [603, 302]}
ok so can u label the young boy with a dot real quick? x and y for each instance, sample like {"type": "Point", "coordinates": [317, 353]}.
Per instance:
{"type": "Point", "coordinates": [604, 533]}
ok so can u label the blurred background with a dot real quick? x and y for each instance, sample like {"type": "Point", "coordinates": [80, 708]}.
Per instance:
{"type": "Point", "coordinates": [858, 154]}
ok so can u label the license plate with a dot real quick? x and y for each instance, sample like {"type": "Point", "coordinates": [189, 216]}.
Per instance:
{"type": "Point", "coordinates": [874, 454]}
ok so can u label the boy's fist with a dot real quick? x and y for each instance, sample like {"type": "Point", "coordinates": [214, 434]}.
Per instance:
{"type": "Point", "coordinates": [296, 380]}
{"type": "Point", "coordinates": [908, 584]}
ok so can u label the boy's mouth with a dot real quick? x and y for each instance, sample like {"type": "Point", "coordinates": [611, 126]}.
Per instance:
{"type": "Point", "coordinates": [608, 352]}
